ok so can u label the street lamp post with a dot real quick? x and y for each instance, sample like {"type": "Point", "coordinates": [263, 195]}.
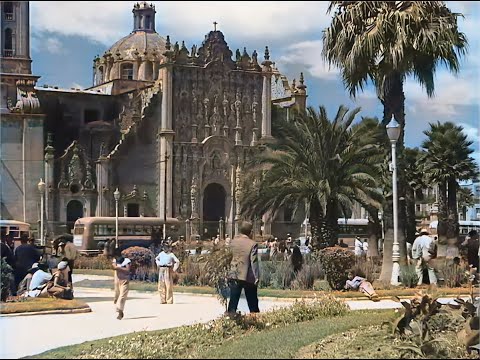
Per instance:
{"type": "Point", "coordinates": [393, 132]}
{"type": "Point", "coordinates": [116, 195]}
{"type": "Point", "coordinates": [165, 199]}
{"type": "Point", "coordinates": [41, 189]}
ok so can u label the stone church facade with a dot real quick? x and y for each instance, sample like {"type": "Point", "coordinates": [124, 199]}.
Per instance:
{"type": "Point", "coordinates": [172, 128]}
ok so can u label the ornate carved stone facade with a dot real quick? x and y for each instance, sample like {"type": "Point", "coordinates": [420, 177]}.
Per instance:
{"type": "Point", "coordinates": [171, 128]}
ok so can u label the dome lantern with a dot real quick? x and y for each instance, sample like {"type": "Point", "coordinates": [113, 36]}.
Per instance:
{"type": "Point", "coordinates": [144, 17]}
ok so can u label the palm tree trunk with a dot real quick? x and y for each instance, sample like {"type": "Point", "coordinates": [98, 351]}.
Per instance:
{"type": "Point", "coordinates": [452, 227]}
{"type": "Point", "coordinates": [374, 230]}
{"type": "Point", "coordinates": [387, 264]}
{"type": "Point", "coordinates": [332, 222]}
{"type": "Point", "coordinates": [411, 223]}
{"type": "Point", "coordinates": [442, 219]}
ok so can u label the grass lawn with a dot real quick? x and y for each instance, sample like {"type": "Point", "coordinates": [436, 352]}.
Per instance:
{"type": "Point", "coordinates": [277, 293]}
{"type": "Point", "coordinates": [42, 304]}
{"type": "Point", "coordinates": [282, 342]}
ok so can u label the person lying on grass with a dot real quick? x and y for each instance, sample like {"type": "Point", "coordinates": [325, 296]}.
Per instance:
{"type": "Point", "coordinates": [361, 284]}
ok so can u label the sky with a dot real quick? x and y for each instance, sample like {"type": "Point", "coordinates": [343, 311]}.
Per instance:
{"type": "Point", "coordinates": [66, 36]}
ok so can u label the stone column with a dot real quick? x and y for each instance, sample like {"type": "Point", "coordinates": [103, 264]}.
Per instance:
{"type": "Point", "coordinates": [49, 180]}
{"type": "Point", "coordinates": [238, 197]}
{"type": "Point", "coordinates": [166, 144]}
{"type": "Point", "coordinates": [102, 187]}
{"type": "Point", "coordinates": [267, 98]}
{"type": "Point", "coordinates": [231, 214]}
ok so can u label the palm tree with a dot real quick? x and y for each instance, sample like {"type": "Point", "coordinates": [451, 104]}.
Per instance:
{"type": "Point", "coordinates": [327, 164]}
{"type": "Point", "coordinates": [385, 42]}
{"type": "Point", "coordinates": [465, 199]}
{"type": "Point", "coordinates": [446, 162]}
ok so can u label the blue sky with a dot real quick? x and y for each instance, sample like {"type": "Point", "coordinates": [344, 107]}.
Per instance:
{"type": "Point", "coordinates": [66, 36]}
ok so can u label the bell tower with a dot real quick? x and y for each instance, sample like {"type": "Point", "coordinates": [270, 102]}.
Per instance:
{"type": "Point", "coordinates": [15, 61]}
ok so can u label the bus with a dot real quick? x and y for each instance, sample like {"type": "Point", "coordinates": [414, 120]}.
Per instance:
{"type": "Point", "coordinates": [15, 228]}
{"type": "Point", "coordinates": [132, 231]}
{"type": "Point", "coordinates": [348, 229]}
{"type": "Point", "coordinates": [465, 226]}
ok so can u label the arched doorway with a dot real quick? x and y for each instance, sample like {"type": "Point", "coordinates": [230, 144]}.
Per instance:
{"type": "Point", "coordinates": [74, 212]}
{"type": "Point", "coordinates": [214, 199]}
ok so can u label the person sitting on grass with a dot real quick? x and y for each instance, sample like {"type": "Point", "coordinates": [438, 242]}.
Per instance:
{"type": "Point", "coordinates": [361, 284]}
{"type": "Point", "coordinates": [59, 286]}
{"type": "Point", "coordinates": [25, 283]}
{"type": "Point", "coordinates": [39, 281]}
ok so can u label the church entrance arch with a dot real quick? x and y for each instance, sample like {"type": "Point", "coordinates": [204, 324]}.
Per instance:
{"type": "Point", "coordinates": [214, 206]}
{"type": "Point", "coordinates": [74, 212]}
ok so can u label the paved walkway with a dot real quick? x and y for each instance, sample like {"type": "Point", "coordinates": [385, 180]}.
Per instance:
{"type": "Point", "coordinates": [142, 312]}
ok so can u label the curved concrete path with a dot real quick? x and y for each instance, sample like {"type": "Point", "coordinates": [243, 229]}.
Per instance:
{"type": "Point", "coordinates": [29, 335]}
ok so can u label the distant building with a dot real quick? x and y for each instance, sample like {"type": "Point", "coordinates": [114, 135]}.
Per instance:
{"type": "Point", "coordinates": [472, 213]}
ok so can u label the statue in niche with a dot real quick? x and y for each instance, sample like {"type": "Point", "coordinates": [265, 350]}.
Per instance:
{"type": "Point", "coordinates": [183, 198]}
{"type": "Point", "coordinates": [194, 194]}
{"type": "Point", "coordinates": [254, 57]}
{"type": "Point", "coordinates": [238, 55]}
{"type": "Point", "coordinates": [216, 162]}
{"type": "Point", "coordinates": [225, 104]}
{"type": "Point", "coordinates": [206, 101]}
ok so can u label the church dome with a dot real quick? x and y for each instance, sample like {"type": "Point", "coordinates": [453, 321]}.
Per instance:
{"type": "Point", "coordinates": [138, 43]}
{"type": "Point", "coordinates": [136, 56]}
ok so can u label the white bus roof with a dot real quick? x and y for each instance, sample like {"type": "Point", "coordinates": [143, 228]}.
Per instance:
{"type": "Point", "coordinates": [13, 222]}
{"type": "Point", "coordinates": [345, 221]}
{"type": "Point", "coordinates": [434, 224]}
{"type": "Point", "coordinates": [127, 220]}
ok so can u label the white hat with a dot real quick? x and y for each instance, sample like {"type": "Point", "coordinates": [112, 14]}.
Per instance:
{"type": "Point", "coordinates": [62, 265]}
{"type": "Point", "coordinates": [35, 266]}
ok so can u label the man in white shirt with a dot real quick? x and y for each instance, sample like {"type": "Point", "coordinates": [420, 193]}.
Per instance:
{"type": "Point", "coordinates": [421, 252]}
{"type": "Point", "coordinates": [167, 263]}
{"type": "Point", "coordinates": [39, 279]}
{"type": "Point", "coordinates": [358, 246]}
{"type": "Point", "coordinates": [365, 246]}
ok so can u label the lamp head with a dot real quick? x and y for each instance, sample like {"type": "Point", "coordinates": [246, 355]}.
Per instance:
{"type": "Point", "coordinates": [41, 187]}
{"type": "Point", "coordinates": [393, 130]}
{"type": "Point", "coordinates": [116, 195]}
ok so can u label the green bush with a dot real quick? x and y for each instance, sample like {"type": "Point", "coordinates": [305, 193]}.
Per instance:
{"type": "Point", "coordinates": [139, 256]}
{"type": "Point", "coordinates": [191, 272]}
{"type": "Point", "coordinates": [336, 262]}
{"type": "Point", "coordinates": [6, 278]}
{"type": "Point", "coordinates": [408, 276]}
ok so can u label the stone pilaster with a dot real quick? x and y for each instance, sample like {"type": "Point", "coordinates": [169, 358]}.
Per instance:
{"type": "Point", "coordinates": [49, 179]}
{"type": "Point", "coordinates": [267, 98]}
{"type": "Point", "coordinates": [103, 189]}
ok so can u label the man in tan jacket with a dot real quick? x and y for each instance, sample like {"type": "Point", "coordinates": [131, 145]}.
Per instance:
{"type": "Point", "coordinates": [244, 271]}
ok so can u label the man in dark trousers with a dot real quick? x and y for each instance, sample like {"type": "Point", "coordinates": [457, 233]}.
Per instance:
{"type": "Point", "coordinates": [244, 271]}
{"type": "Point", "coordinates": [25, 256]}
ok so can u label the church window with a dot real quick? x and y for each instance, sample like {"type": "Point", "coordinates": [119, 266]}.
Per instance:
{"type": "Point", "coordinates": [90, 115]}
{"type": "Point", "coordinates": [147, 22]}
{"type": "Point", "coordinates": [133, 210]}
{"type": "Point", "coordinates": [9, 41]}
{"type": "Point", "coordinates": [8, 10]}
{"type": "Point", "coordinates": [127, 71]}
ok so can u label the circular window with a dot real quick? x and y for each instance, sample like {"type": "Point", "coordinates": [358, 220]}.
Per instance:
{"type": "Point", "coordinates": [74, 188]}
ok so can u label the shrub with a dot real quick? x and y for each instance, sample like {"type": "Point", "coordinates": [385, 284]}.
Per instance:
{"type": "Point", "coordinates": [367, 268]}
{"type": "Point", "coordinates": [336, 262]}
{"type": "Point", "coordinates": [267, 272]}
{"type": "Point", "coordinates": [283, 276]}
{"type": "Point", "coordinates": [145, 273]}
{"type": "Point", "coordinates": [99, 262]}
{"type": "Point", "coordinates": [408, 276]}
{"type": "Point", "coordinates": [190, 272]}
{"type": "Point", "coordinates": [454, 275]}
{"type": "Point", "coordinates": [306, 277]}
{"type": "Point", "coordinates": [139, 256]}
{"type": "Point", "coordinates": [6, 278]}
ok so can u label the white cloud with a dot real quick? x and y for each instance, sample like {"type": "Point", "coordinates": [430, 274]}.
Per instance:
{"type": "Point", "coordinates": [106, 22]}
{"type": "Point", "coordinates": [54, 46]}
{"type": "Point", "coordinates": [309, 54]}
{"type": "Point", "coordinates": [451, 92]}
